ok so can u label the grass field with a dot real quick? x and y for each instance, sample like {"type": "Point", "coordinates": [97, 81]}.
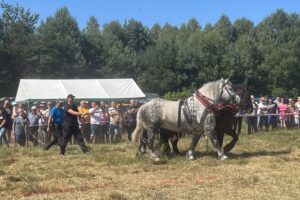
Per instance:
{"type": "Point", "coordinates": [262, 166]}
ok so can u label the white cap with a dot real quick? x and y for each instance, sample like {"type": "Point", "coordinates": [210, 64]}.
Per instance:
{"type": "Point", "coordinates": [33, 108]}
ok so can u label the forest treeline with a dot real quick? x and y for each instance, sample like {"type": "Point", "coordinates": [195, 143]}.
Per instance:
{"type": "Point", "coordinates": [161, 58]}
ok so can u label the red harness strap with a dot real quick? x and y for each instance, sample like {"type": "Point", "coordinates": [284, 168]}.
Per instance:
{"type": "Point", "coordinates": [215, 109]}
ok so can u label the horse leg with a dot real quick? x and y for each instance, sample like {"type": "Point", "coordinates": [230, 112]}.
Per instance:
{"type": "Point", "coordinates": [189, 155]}
{"type": "Point", "coordinates": [163, 140]}
{"type": "Point", "coordinates": [230, 145]}
{"type": "Point", "coordinates": [174, 142]}
{"type": "Point", "coordinates": [143, 144]}
{"type": "Point", "coordinates": [214, 141]}
{"type": "Point", "coordinates": [151, 138]}
{"type": "Point", "coordinates": [220, 136]}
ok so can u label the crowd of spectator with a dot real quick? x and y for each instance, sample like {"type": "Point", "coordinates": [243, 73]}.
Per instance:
{"type": "Point", "coordinates": [269, 113]}
{"type": "Point", "coordinates": [99, 122]}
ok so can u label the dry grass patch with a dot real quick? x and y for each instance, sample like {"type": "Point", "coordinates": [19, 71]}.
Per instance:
{"type": "Point", "coordinates": [262, 166]}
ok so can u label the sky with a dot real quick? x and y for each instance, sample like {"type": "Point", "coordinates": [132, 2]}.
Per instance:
{"type": "Point", "coordinates": [150, 12]}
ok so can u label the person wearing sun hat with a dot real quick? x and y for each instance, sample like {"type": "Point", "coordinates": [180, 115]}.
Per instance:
{"type": "Point", "coordinates": [33, 126]}
{"type": "Point", "coordinates": [262, 111]}
{"type": "Point", "coordinates": [71, 127]}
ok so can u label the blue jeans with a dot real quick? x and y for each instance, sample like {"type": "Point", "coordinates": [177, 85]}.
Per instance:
{"type": "Point", "coordinates": [114, 130]}
{"type": "Point", "coordinates": [3, 136]}
{"type": "Point", "coordinates": [95, 129]}
{"type": "Point", "coordinates": [21, 139]}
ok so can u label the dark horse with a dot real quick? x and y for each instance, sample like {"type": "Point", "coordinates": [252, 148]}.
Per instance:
{"type": "Point", "coordinates": [226, 123]}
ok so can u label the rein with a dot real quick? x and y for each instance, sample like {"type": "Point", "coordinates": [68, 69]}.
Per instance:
{"type": "Point", "coordinates": [206, 102]}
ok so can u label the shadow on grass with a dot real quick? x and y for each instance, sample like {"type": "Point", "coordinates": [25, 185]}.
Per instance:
{"type": "Point", "coordinates": [258, 154]}
{"type": "Point", "coordinates": [199, 155]}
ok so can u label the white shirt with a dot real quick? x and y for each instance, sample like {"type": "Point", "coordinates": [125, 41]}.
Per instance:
{"type": "Point", "coordinates": [113, 112]}
{"type": "Point", "coordinates": [95, 115]}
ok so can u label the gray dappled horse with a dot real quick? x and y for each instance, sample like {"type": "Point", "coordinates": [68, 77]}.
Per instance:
{"type": "Point", "coordinates": [195, 115]}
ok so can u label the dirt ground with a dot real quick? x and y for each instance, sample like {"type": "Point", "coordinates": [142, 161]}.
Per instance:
{"type": "Point", "coordinates": [262, 166]}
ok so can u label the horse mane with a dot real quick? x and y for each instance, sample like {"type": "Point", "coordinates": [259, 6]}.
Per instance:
{"type": "Point", "coordinates": [211, 89]}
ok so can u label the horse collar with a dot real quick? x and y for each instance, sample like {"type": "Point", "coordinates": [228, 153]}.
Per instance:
{"type": "Point", "coordinates": [206, 102]}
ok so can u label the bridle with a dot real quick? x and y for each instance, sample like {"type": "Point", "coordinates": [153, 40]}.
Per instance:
{"type": "Point", "coordinates": [210, 105]}
{"type": "Point", "coordinates": [232, 97]}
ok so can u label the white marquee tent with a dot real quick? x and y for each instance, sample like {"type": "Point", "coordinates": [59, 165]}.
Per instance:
{"type": "Point", "coordinates": [89, 89]}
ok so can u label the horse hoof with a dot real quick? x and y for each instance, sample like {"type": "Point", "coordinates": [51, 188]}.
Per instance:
{"type": "Point", "coordinates": [154, 157]}
{"type": "Point", "coordinates": [224, 157]}
{"type": "Point", "coordinates": [189, 156]}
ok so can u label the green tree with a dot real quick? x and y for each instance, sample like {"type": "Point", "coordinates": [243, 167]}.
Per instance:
{"type": "Point", "coordinates": [93, 51]}
{"type": "Point", "coordinates": [17, 46]}
{"type": "Point", "coordinates": [60, 51]}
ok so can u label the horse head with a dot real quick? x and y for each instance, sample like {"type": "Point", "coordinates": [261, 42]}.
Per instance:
{"type": "Point", "coordinates": [245, 97]}
{"type": "Point", "coordinates": [227, 92]}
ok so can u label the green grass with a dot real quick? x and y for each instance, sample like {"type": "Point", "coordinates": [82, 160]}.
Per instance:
{"type": "Point", "coordinates": [261, 166]}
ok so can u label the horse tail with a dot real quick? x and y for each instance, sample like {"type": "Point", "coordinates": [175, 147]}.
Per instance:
{"type": "Point", "coordinates": [137, 133]}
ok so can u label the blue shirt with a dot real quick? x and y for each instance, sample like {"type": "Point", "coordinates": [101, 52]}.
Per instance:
{"type": "Point", "coordinates": [57, 115]}
{"type": "Point", "coordinates": [33, 119]}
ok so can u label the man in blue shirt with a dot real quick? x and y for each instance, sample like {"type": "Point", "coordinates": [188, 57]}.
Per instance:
{"type": "Point", "coordinates": [55, 122]}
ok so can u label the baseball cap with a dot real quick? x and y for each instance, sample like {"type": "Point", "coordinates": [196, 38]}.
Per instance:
{"type": "Point", "coordinates": [33, 108]}
{"type": "Point", "coordinates": [70, 96]}
{"type": "Point", "coordinates": [49, 103]}
{"type": "Point", "coordinates": [58, 100]}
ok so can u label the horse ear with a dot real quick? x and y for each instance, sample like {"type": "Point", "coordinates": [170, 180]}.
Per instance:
{"type": "Point", "coordinates": [226, 80]}
{"type": "Point", "coordinates": [222, 79]}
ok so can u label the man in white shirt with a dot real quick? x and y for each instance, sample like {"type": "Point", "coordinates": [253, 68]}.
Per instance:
{"type": "Point", "coordinates": [95, 113]}
{"type": "Point", "coordinates": [262, 112]}
{"type": "Point", "coordinates": [115, 122]}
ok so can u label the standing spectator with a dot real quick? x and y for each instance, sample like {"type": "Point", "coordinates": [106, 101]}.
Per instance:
{"type": "Point", "coordinates": [252, 117]}
{"type": "Point", "coordinates": [95, 113]}
{"type": "Point", "coordinates": [131, 113]}
{"type": "Point", "coordinates": [238, 121]}
{"type": "Point", "coordinates": [283, 109]}
{"type": "Point", "coordinates": [272, 113]}
{"type": "Point", "coordinates": [20, 123]}
{"type": "Point", "coordinates": [104, 121]}
{"type": "Point", "coordinates": [296, 113]}
{"type": "Point", "coordinates": [84, 121]}
{"type": "Point", "coordinates": [33, 126]}
{"type": "Point", "coordinates": [115, 122]}
{"type": "Point", "coordinates": [46, 114]}
{"type": "Point", "coordinates": [3, 126]}
{"type": "Point", "coordinates": [290, 117]}
{"type": "Point", "coordinates": [262, 111]}
{"type": "Point", "coordinates": [9, 112]}
{"type": "Point", "coordinates": [71, 127]}
{"type": "Point", "coordinates": [43, 119]}
{"type": "Point", "coordinates": [55, 122]}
